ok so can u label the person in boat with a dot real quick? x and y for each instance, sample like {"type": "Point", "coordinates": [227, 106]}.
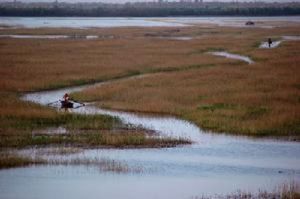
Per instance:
{"type": "Point", "coordinates": [66, 103]}
{"type": "Point", "coordinates": [250, 23]}
{"type": "Point", "coordinates": [66, 98]}
{"type": "Point", "coordinates": [270, 42]}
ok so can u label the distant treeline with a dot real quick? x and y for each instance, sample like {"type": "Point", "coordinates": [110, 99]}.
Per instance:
{"type": "Point", "coordinates": [149, 11]}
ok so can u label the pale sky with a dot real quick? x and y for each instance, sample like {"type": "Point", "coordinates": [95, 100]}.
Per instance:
{"type": "Point", "coordinates": [123, 1]}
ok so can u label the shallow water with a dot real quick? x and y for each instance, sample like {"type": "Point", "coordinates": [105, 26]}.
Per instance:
{"type": "Point", "coordinates": [276, 44]}
{"type": "Point", "coordinates": [49, 37]}
{"type": "Point", "coordinates": [261, 22]}
{"type": "Point", "coordinates": [88, 22]}
{"type": "Point", "coordinates": [233, 56]}
{"type": "Point", "coordinates": [214, 164]}
{"type": "Point", "coordinates": [82, 22]}
{"type": "Point", "coordinates": [220, 166]}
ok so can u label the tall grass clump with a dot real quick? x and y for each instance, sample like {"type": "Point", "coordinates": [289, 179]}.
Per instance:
{"type": "Point", "coordinates": [285, 191]}
{"type": "Point", "coordinates": [9, 160]}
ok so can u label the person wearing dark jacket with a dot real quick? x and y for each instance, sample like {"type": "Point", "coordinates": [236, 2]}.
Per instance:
{"type": "Point", "coordinates": [270, 42]}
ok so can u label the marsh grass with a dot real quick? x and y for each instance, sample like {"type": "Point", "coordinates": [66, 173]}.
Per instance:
{"type": "Point", "coordinates": [20, 123]}
{"type": "Point", "coordinates": [69, 121]}
{"type": "Point", "coordinates": [285, 191]}
{"type": "Point", "coordinates": [264, 95]}
{"type": "Point", "coordinates": [61, 151]}
{"type": "Point", "coordinates": [103, 164]}
{"type": "Point", "coordinates": [91, 139]}
{"type": "Point", "coordinates": [14, 160]}
{"type": "Point", "coordinates": [9, 160]}
{"type": "Point", "coordinates": [19, 116]}
{"type": "Point", "coordinates": [257, 100]}
{"type": "Point", "coordinates": [52, 64]}
{"type": "Point", "coordinates": [216, 106]}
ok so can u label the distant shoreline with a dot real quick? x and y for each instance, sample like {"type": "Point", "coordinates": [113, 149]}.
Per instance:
{"type": "Point", "coordinates": [144, 9]}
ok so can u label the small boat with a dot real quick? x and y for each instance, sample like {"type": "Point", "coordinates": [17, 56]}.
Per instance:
{"type": "Point", "coordinates": [67, 104]}
{"type": "Point", "coordinates": [249, 23]}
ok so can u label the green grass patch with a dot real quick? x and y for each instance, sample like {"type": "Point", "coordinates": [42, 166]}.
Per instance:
{"type": "Point", "coordinates": [255, 112]}
{"type": "Point", "coordinates": [90, 139]}
{"type": "Point", "coordinates": [67, 120]}
{"type": "Point", "coordinates": [176, 69]}
{"type": "Point", "coordinates": [8, 160]}
{"type": "Point", "coordinates": [256, 44]}
{"type": "Point", "coordinates": [297, 86]}
{"type": "Point", "coordinates": [211, 49]}
{"type": "Point", "coordinates": [216, 106]}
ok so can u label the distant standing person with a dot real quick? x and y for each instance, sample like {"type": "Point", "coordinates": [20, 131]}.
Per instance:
{"type": "Point", "coordinates": [270, 42]}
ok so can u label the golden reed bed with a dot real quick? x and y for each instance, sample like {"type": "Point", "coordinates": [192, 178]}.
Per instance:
{"type": "Point", "coordinates": [219, 94]}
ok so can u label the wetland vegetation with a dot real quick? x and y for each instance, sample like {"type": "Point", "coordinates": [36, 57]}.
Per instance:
{"type": "Point", "coordinates": [155, 75]}
{"type": "Point", "coordinates": [217, 94]}
{"type": "Point", "coordinates": [181, 79]}
{"type": "Point", "coordinates": [29, 65]}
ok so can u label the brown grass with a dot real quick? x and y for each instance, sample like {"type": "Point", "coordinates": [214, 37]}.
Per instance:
{"type": "Point", "coordinates": [61, 151]}
{"type": "Point", "coordinates": [228, 95]}
{"type": "Point", "coordinates": [285, 191]}
{"type": "Point", "coordinates": [259, 99]}
{"type": "Point", "coordinates": [31, 64]}
{"type": "Point", "coordinates": [43, 64]}
{"type": "Point", "coordinates": [90, 139]}
{"type": "Point", "coordinates": [9, 160]}
{"type": "Point", "coordinates": [105, 165]}
{"type": "Point", "coordinates": [13, 160]}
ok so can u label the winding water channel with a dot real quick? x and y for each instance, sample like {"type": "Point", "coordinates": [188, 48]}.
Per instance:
{"type": "Point", "coordinates": [233, 56]}
{"type": "Point", "coordinates": [214, 164]}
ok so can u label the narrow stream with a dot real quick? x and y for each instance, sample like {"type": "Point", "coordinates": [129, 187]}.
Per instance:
{"type": "Point", "coordinates": [214, 164]}
{"type": "Point", "coordinates": [233, 56]}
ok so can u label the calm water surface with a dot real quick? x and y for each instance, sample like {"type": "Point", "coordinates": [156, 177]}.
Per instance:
{"type": "Point", "coordinates": [91, 22]}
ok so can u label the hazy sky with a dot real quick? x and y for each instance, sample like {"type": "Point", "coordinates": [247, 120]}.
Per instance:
{"type": "Point", "coordinates": [123, 1]}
